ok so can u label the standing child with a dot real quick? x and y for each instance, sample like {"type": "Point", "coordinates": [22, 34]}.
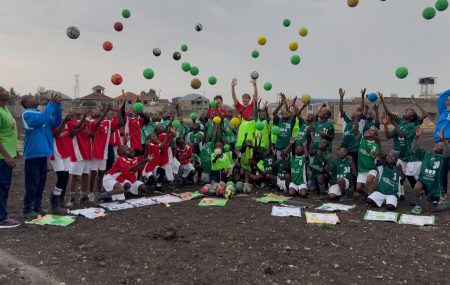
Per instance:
{"type": "Point", "coordinates": [317, 162]}
{"type": "Point", "coordinates": [342, 171]}
{"type": "Point", "coordinates": [286, 124]}
{"type": "Point", "coordinates": [297, 165]}
{"type": "Point", "coordinates": [153, 174]}
{"type": "Point", "coordinates": [183, 152]}
{"type": "Point", "coordinates": [323, 129]}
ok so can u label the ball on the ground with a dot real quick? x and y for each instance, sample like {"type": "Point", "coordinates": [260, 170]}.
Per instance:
{"type": "Point", "coordinates": [138, 107]}
{"type": "Point", "coordinates": [212, 80]}
{"type": "Point", "coordinates": [275, 130]}
{"type": "Point", "coordinates": [303, 32]}
{"type": "Point", "coordinates": [196, 83]}
{"type": "Point", "coordinates": [239, 187]}
{"type": "Point", "coordinates": [148, 73]}
{"type": "Point", "coordinates": [118, 26]}
{"type": "Point", "coordinates": [184, 48]}
{"type": "Point", "coordinates": [73, 32]}
{"type": "Point", "coordinates": [306, 99]}
{"type": "Point", "coordinates": [230, 183]}
{"type": "Point", "coordinates": [186, 66]}
{"type": "Point", "coordinates": [254, 75]}
{"type": "Point", "coordinates": [441, 5]}
{"type": "Point", "coordinates": [295, 59]}
{"type": "Point", "coordinates": [176, 124]}
{"type": "Point", "coordinates": [107, 45]}
{"type": "Point", "coordinates": [267, 86]}
{"type": "Point", "coordinates": [259, 125]}
{"type": "Point", "coordinates": [126, 13]}
{"type": "Point", "coordinates": [372, 97]}
{"type": "Point", "coordinates": [156, 51]}
{"type": "Point", "coordinates": [213, 104]}
{"type": "Point", "coordinates": [429, 13]}
{"type": "Point", "coordinates": [352, 3]}
{"type": "Point", "coordinates": [262, 40]}
{"type": "Point", "coordinates": [194, 70]}
{"type": "Point", "coordinates": [229, 192]}
{"type": "Point", "coordinates": [401, 72]}
{"type": "Point", "coordinates": [217, 120]}
{"type": "Point", "coordinates": [255, 54]}
{"type": "Point", "coordinates": [193, 116]}
{"type": "Point", "coordinates": [235, 122]}
{"type": "Point", "coordinates": [205, 189]}
{"type": "Point", "coordinates": [199, 27]}
{"type": "Point", "coordinates": [116, 79]}
{"type": "Point", "coordinates": [176, 55]}
{"type": "Point", "coordinates": [293, 46]}
{"type": "Point", "coordinates": [286, 22]}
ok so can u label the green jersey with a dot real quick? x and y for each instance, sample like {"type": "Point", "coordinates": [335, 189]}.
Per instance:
{"type": "Point", "coordinates": [278, 166]}
{"type": "Point", "coordinates": [146, 131]}
{"type": "Point", "coordinates": [297, 165]}
{"type": "Point", "coordinates": [325, 127]}
{"type": "Point", "coordinates": [388, 180]}
{"type": "Point", "coordinates": [317, 163]}
{"type": "Point", "coordinates": [205, 157]}
{"type": "Point", "coordinates": [302, 134]}
{"type": "Point", "coordinates": [264, 135]}
{"type": "Point", "coordinates": [246, 127]}
{"type": "Point", "coordinates": [221, 163]}
{"type": "Point", "coordinates": [230, 134]}
{"type": "Point", "coordinates": [341, 169]}
{"type": "Point", "coordinates": [245, 158]}
{"type": "Point", "coordinates": [367, 154]}
{"type": "Point", "coordinates": [286, 127]}
{"type": "Point", "coordinates": [194, 138]}
{"type": "Point", "coordinates": [349, 140]}
{"type": "Point", "coordinates": [431, 171]}
{"type": "Point", "coordinates": [403, 145]}
{"type": "Point", "coordinates": [8, 132]}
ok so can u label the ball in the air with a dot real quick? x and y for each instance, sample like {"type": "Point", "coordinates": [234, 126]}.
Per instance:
{"type": "Point", "coordinates": [429, 13]}
{"type": "Point", "coordinates": [286, 22]}
{"type": "Point", "coordinates": [138, 107]}
{"type": "Point", "coordinates": [213, 104]}
{"type": "Point", "coordinates": [255, 54]}
{"type": "Point", "coordinates": [184, 48]}
{"type": "Point", "coordinates": [262, 40]}
{"type": "Point", "coordinates": [276, 130]}
{"type": "Point", "coordinates": [235, 122]}
{"type": "Point", "coordinates": [118, 26]}
{"type": "Point", "coordinates": [193, 116]}
{"type": "Point", "coordinates": [293, 46]}
{"type": "Point", "coordinates": [186, 66]}
{"type": "Point", "coordinates": [194, 70]}
{"type": "Point", "coordinates": [259, 125]}
{"type": "Point", "coordinates": [73, 32]}
{"type": "Point", "coordinates": [176, 55]}
{"type": "Point", "coordinates": [176, 124]}
{"type": "Point", "coordinates": [148, 73]}
{"type": "Point", "coordinates": [372, 97]}
{"type": "Point", "coordinates": [212, 80]}
{"type": "Point", "coordinates": [352, 3]}
{"type": "Point", "coordinates": [199, 27]}
{"type": "Point", "coordinates": [217, 120]}
{"type": "Point", "coordinates": [441, 5]}
{"type": "Point", "coordinates": [401, 72]}
{"type": "Point", "coordinates": [267, 86]}
{"type": "Point", "coordinates": [116, 79]}
{"type": "Point", "coordinates": [254, 75]}
{"type": "Point", "coordinates": [295, 59]}
{"type": "Point", "coordinates": [306, 99]}
{"type": "Point", "coordinates": [126, 13]}
{"type": "Point", "coordinates": [196, 83]}
{"type": "Point", "coordinates": [107, 45]}
{"type": "Point", "coordinates": [303, 32]}
{"type": "Point", "coordinates": [156, 51]}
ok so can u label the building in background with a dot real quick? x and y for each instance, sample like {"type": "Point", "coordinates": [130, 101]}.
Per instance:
{"type": "Point", "coordinates": [94, 99]}
{"type": "Point", "coordinates": [191, 103]}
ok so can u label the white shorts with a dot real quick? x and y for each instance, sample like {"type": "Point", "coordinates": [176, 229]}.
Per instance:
{"type": "Point", "coordinates": [410, 168]}
{"type": "Point", "coordinates": [362, 176]}
{"type": "Point", "coordinates": [186, 168]}
{"type": "Point", "coordinates": [80, 167]}
{"type": "Point", "coordinates": [281, 184]}
{"type": "Point", "coordinates": [334, 189]}
{"type": "Point", "coordinates": [110, 181]}
{"type": "Point", "coordinates": [380, 198]}
{"type": "Point", "coordinates": [297, 187]}
{"type": "Point", "coordinates": [151, 173]}
{"type": "Point", "coordinates": [60, 164]}
{"type": "Point", "coordinates": [97, 165]}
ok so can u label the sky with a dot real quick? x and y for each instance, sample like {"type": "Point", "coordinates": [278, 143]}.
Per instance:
{"type": "Point", "coordinates": [346, 47]}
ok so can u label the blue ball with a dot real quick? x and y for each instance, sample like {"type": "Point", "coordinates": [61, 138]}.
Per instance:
{"type": "Point", "coordinates": [372, 97]}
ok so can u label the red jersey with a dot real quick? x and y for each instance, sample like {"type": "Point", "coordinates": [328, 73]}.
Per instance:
{"type": "Point", "coordinates": [63, 146]}
{"type": "Point", "coordinates": [100, 141]}
{"type": "Point", "coordinates": [245, 112]}
{"type": "Point", "coordinates": [152, 150]}
{"type": "Point", "coordinates": [133, 128]}
{"type": "Point", "coordinates": [221, 111]}
{"type": "Point", "coordinates": [121, 167]}
{"type": "Point", "coordinates": [81, 143]}
{"type": "Point", "coordinates": [164, 157]}
{"type": "Point", "coordinates": [184, 155]}
{"type": "Point", "coordinates": [115, 139]}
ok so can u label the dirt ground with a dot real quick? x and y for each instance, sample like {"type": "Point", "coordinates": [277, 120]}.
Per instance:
{"type": "Point", "coordinates": [237, 244]}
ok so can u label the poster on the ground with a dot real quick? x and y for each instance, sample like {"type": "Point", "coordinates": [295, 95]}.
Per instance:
{"type": "Point", "coordinates": [167, 199]}
{"type": "Point", "coordinates": [272, 198]}
{"type": "Point", "coordinates": [54, 220]}
{"type": "Point", "coordinates": [190, 195]}
{"type": "Point", "coordinates": [142, 202]}
{"type": "Point", "coordinates": [286, 211]}
{"type": "Point", "coordinates": [90, 213]}
{"type": "Point", "coordinates": [319, 218]}
{"type": "Point", "coordinates": [333, 207]}
{"type": "Point", "coordinates": [116, 206]}
{"type": "Point", "coordinates": [417, 220]}
{"type": "Point", "coordinates": [205, 202]}
{"type": "Point", "coordinates": [381, 216]}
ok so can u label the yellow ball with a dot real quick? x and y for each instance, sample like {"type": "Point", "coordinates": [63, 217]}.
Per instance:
{"type": "Point", "coordinates": [352, 3]}
{"type": "Point", "coordinates": [262, 40]}
{"type": "Point", "coordinates": [217, 120]}
{"type": "Point", "coordinates": [306, 98]}
{"type": "Point", "coordinates": [303, 32]}
{"type": "Point", "coordinates": [293, 46]}
{"type": "Point", "coordinates": [235, 122]}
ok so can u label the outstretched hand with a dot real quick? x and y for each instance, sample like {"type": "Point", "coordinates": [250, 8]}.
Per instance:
{"type": "Point", "coordinates": [441, 134]}
{"type": "Point", "coordinates": [234, 82]}
{"type": "Point", "coordinates": [363, 92]}
{"type": "Point", "coordinates": [341, 92]}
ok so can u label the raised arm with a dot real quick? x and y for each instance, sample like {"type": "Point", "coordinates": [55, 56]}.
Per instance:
{"type": "Point", "coordinates": [387, 134]}
{"type": "Point", "coordinates": [415, 143]}
{"type": "Point", "coordinates": [255, 89]}
{"type": "Point", "coordinates": [234, 82]}
{"type": "Point", "coordinates": [380, 147]}
{"type": "Point", "coordinates": [300, 111]}
{"type": "Point", "coordinates": [62, 125]}
{"type": "Point", "coordinates": [422, 110]}
{"type": "Point", "coordinates": [37, 119]}
{"type": "Point", "coordinates": [358, 115]}
{"type": "Point", "coordinates": [277, 109]}
{"type": "Point", "coordinates": [341, 101]}
{"type": "Point", "coordinates": [396, 128]}
{"type": "Point", "coordinates": [363, 97]}
{"type": "Point", "coordinates": [386, 109]}
{"type": "Point", "coordinates": [377, 116]}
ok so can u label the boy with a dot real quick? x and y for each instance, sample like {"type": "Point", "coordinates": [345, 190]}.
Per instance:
{"type": "Point", "coordinates": [245, 110]}
{"type": "Point", "coordinates": [166, 158]}
{"type": "Point", "coordinates": [286, 124]}
{"type": "Point", "coordinates": [221, 167]}
{"type": "Point", "coordinates": [183, 152]}
{"type": "Point", "coordinates": [317, 162]}
{"type": "Point", "coordinates": [246, 154]}
{"type": "Point", "coordinates": [195, 138]}
{"type": "Point", "coordinates": [388, 188]}
{"type": "Point", "coordinates": [152, 172]}
{"type": "Point", "coordinates": [349, 141]}
{"type": "Point", "coordinates": [133, 125]}
{"type": "Point", "coordinates": [297, 165]}
{"type": "Point", "coordinates": [205, 167]}
{"type": "Point", "coordinates": [342, 171]}
{"type": "Point", "coordinates": [323, 130]}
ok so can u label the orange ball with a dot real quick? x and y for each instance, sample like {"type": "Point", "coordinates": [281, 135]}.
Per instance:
{"type": "Point", "coordinates": [116, 79]}
{"type": "Point", "coordinates": [196, 83]}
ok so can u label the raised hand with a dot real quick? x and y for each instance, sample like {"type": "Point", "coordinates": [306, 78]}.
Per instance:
{"type": "Point", "coordinates": [385, 119]}
{"type": "Point", "coordinates": [341, 92]}
{"type": "Point", "coordinates": [283, 97]}
{"type": "Point", "coordinates": [363, 92]}
{"type": "Point", "coordinates": [375, 107]}
{"type": "Point", "coordinates": [253, 81]}
{"type": "Point", "coordinates": [419, 132]}
{"type": "Point", "coordinates": [234, 82]}
{"type": "Point", "coordinates": [441, 134]}
{"type": "Point", "coordinates": [380, 95]}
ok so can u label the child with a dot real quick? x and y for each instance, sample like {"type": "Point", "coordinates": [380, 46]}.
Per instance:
{"type": "Point", "coordinates": [323, 130]}
{"type": "Point", "coordinates": [246, 154]}
{"type": "Point", "coordinates": [195, 138]}
{"type": "Point", "coordinates": [430, 175]}
{"type": "Point", "coordinates": [122, 177]}
{"type": "Point", "coordinates": [341, 170]}
{"type": "Point", "coordinates": [388, 188]}
{"type": "Point", "coordinates": [153, 174]}
{"type": "Point", "coordinates": [133, 125]}
{"type": "Point", "coordinates": [166, 158]}
{"type": "Point", "coordinates": [204, 169]}
{"type": "Point", "coordinates": [349, 141]}
{"type": "Point", "coordinates": [286, 124]}
{"type": "Point", "coordinates": [183, 152]}
{"type": "Point", "coordinates": [317, 162]}
{"type": "Point", "coordinates": [221, 167]}
{"type": "Point", "coordinates": [297, 165]}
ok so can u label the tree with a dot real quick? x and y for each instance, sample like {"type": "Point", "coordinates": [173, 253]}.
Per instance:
{"type": "Point", "coordinates": [40, 91]}
{"type": "Point", "coordinates": [14, 97]}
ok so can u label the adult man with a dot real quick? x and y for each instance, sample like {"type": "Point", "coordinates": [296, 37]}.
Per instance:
{"type": "Point", "coordinates": [443, 122]}
{"type": "Point", "coordinates": [245, 110]}
{"type": "Point", "coordinates": [37, 147]}
{"type": "Point", "coordinates": [8, 146]}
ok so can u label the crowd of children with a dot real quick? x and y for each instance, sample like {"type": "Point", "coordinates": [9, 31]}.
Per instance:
{"type": "Point", "coordinates": [117, 152]}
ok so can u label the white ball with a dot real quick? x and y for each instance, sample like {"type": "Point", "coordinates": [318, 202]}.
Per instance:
{"type": "Point", "coordinates": [73, 32]}
{"type": "Point", "coordinates": [254, 75]}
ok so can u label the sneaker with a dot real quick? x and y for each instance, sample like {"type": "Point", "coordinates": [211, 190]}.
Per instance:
{"type": "Point", "coordinates": [29, 215]}
{"type": "Point", "coordinates": [91, 197]}
{"type": "Point", "coordinates": [9, 223]}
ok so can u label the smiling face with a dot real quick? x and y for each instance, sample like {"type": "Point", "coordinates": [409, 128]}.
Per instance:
{"type": "Point", "coordinates": [246, 100]}
{"type": "Point", "coordinates": [391, 158]}
{"type": "Point", "coordinates": [342, 153]}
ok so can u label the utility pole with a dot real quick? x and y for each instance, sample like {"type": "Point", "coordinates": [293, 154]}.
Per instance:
{"type": "Point", "coordinates": [76, 87]}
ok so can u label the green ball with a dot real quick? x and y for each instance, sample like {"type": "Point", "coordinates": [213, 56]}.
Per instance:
{"type": "Point", "coordinates": [126, 13]}
{"type": "Point", "coordinates": [176, 124]}
{"type": "Point", "coordinates": [213, 104]}
{"type": "Point", "coordinates": [184, 48]}
{"type": "Point", "coordinates": [275, 130]}
{"type": "Point", "coordinates": [149, 73]}
{"type": "Point", "coordinates": [138, 107]}
{"type": "Point", "coordinates": [186, 66]}
{"type": "Point", "coordinates": [193, 116]}
{"type": "Point", "coordinates": [441, 5]}
{"type": "Point", "coordinates": [226, 148]}
{"type": "Point", "coordinates": [267, 86]}
{"type": "Point", "coordinates": [286, 22]}
{"type": "Point", "coordinates": [429, 13]}
{"type": "Point", "coordinates": [212, 80]}
{"type": "Point", "coordinates": [295, 59]}
{"type": "Point", "coordinates": [259, 125]}
{"type": "Point", "coordinates": [401, 72]}
{"type": "Point", "coordinates": [195, 70]}
{"type": "Point", "coordinates": [255, 54]}
{"type": "Point", "coordinates": [230, 183]}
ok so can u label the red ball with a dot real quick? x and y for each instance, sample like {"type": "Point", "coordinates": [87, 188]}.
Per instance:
{"type": "Point", "coordinates": [107, 45]}
{"type": "Point", "coordinates": [116, 79]}
{"type": "Point", "coordinates": [196, 83]}
{"type": "Point", "coordinates": [118, 26]}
